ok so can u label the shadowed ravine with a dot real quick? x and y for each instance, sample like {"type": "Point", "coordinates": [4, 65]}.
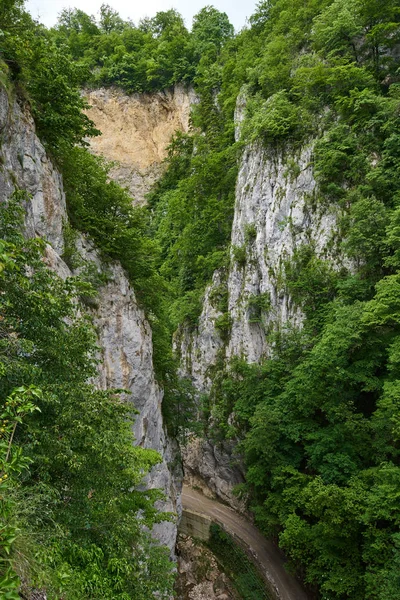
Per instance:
{"type": "Point", "coordinates": [268, 558]}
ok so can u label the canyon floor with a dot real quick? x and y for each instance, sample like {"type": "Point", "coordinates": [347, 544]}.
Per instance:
{"type": "Point", "coordinates": [269, 558]}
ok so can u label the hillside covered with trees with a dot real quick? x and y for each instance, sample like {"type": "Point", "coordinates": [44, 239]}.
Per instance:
{"type": "Point", "coordinates": [318, 422]}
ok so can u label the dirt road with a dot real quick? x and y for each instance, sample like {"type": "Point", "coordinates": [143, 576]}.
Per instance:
{"type": "Point", "coordinates": [269, 558]}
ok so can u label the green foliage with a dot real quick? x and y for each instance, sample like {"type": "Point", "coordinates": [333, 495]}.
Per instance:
{"type": "Point", "coordinates": [311, 283]}
{"type": "Point", "coordinates": [49, 68]}
{"type": "Point", "coordinates": [45, 73]}
{"type": "Point", "coordinates": [46, 77]}
{"type": "Point", "coordinates": [219, 297]}
{"type": "Point", "coordinates": [155, 54]}
{"type": "Point", "coordinates": [109, 20]}
{"type": "Point", "coordinates": [70, 255]}
{"type": "Point", "coordinates": [250, 233]}
{"type": "Point", "coordinates": [99, 207]}
{"type": "Point", "coordinates": [56, 102]}
{"type": "Point", "coordinates": [273, 119]}
{"type": "Point", "coordinates": [365, 239]}
{"type": "Point", "coordinates": [338, 30]}
{"type": "Point", "coordinates": [180, 409]}
{"type": "Point", "coordinates": [258, 304]}
{"type": "Point", "coordinates": [193, 204]}
{"type": "Point", "coordinates": [304, 57]}
{"type": "Point", "coordinates": [78, 504]}
{"type": "Point", "coordinates": [319, 421]}
{"type": "Point", "coordinates": [320, 429]}
{"type": "Point", "coordinates": [239, 255]}
{"type": "Point", "coordinates": [235, 563]}
{"type": "Point", "coordinates": [12, 464]}
{"type": "Point", "coordinates": [192, 217]}
{"type": "Point", "coordinates": [223, 325]}
{"type": "Point", "coordinates": [240, 388]}
{"type": "Point", "coordinates": [210, 31]}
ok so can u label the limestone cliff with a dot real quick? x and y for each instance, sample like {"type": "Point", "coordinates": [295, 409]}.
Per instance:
{"type": "Point", "coordinates": [124, 334]}
{"type": "Point", "coordinates": [275, 213]}
{"type": "Point", "coordinates": [137, 130]}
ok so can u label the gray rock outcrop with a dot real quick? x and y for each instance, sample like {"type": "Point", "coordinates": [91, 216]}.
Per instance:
{"type": "Point", "coordinates": [124, 334]}
{"type": "Point", "coordinates": [276, 212]}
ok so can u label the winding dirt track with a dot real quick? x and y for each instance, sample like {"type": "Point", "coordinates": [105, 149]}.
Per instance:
{"type": "Point", "coordinates": [269, 558]}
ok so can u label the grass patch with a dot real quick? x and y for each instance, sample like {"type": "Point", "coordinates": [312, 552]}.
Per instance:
{"type": "Point", "coordinates": [237, 566]}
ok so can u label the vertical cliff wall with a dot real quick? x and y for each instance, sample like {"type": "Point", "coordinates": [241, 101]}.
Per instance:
{"type": "Point", "coordinates": [124, 334]}
{"type": "Point", "coordinates": [275, 213]}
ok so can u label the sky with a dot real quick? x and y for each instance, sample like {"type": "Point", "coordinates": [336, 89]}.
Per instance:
{"type": "Point", "coordinates": [237, 10]}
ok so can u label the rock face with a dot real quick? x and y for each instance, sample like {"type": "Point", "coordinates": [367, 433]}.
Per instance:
{"type": "Point", "coordinates": [276, 212]}
{"type": "Point", "coordinates": [137, 130]}
{"type": "Point", "coordinates": [124, 334]}
{"type": "Point", "coordinates": [214, 469]}
{"type": "Point", "coordinates": [273, 217]}
{"type": "Point", "coordinates": [24, 165]}
{"type": "Point", "coordinates": [199, 575]}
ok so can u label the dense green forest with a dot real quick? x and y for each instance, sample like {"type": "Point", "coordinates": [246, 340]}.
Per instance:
{"type": "Point", "coordinates": [319, 422]}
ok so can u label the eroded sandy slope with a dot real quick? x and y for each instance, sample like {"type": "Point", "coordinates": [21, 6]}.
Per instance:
{"type": "Point", "coordinates": [136, 131]}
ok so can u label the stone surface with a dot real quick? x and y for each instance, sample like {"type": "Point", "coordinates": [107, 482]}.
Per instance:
{"type": "Point", "coordinates": [273, 217]}
{"type": "Point", "coordinates": [125, 340]}
{"type": "Point", "coordinates": [25, 165]}
{"type": "Point", "coordinates": [199, 576]}
{"type": "Point", "coordinates": [124, 334]}
{"type": "Point", "coordinates": [195, 525]}
{"type": "Point", "coordinates": [276, 212]}
{"type": "Point", "coordinates": [199, 351]}
{"type": "Point", "coordinates": [136, 131]}
{"type": "Point", "coordinates": [215, 470]}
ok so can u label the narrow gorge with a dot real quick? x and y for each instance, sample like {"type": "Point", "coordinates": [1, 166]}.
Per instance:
{"type": "Point", "coordinates": [199, 304]}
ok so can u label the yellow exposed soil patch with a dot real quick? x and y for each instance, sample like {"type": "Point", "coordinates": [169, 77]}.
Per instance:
{"type": "Point", "coordinates": [136, 131]}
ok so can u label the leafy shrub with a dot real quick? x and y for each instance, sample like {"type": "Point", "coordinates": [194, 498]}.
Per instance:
{"type": "Point", "coordinates": [239, 254]}
{"type": "Point", "coordinates": [237, 565]}
{"type": "Point", "coordinates": [223, 325]}
{"type": "Point", "coordinates": [250, 233]}
{"type": "Point", "coordinates": [258, 304]}
{"type": "Point", "coordinates": [275, 119]}
{"type": "Point", "coordinates": [219, 297]}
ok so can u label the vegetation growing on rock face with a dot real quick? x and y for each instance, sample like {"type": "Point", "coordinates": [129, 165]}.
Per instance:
{"type": "Point", "coordinates": [72, 518]}
{"type": "Point", "coordinates": [319, 421]}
